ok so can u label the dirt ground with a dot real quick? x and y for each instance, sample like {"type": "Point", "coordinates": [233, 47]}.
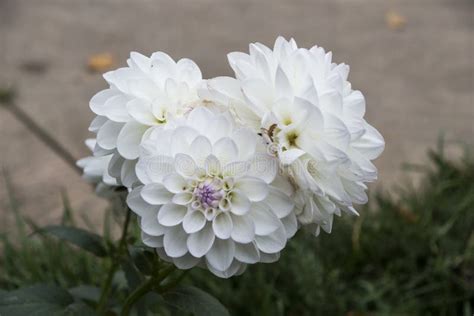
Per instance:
{"type": "Point", "coordinates": [416, 70]}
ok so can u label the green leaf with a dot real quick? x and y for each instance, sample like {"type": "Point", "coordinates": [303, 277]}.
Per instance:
{"type": "Point", "coordinates": [86, 292]}
{"type": "Point", "coordinates": [142, 258]}
{"type": "Point", "coordinates": [189, 299]}
{"type": "Point", "coordinates": [79, 237]}
{"type": "Point", "coordinates": [42, 300]}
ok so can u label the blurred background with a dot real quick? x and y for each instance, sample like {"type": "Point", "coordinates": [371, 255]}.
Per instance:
{"type": "Point", "coordinates": [413, 60]}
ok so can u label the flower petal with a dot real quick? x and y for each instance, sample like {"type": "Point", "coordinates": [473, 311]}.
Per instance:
{"type": "Point", "coordinates": [225, 150]}
{"type": "Point", "coordinates": [194, 221]}
{"type": "Point", "coordinates": [129, 139]}
{"type": "Point", "coordinates": [175, 242]}
{"type": "Point", "coordinates": [200, 242]}
{"type": "Point", "coordinates": [247, 253]}
{"type": "Point", "coordinates": [272, 243]}
{"type": "Point", "coordinates": [254, 188]}
{"type": "Point", "coordinates": [221, 254]}
{"type": "Point", "coordinates": [243, 229]}
{"type": "Point", "coordinates": [138, 205]}
{"type": "Point", "coordinates": [279, 202]}
{"type": "Point", "coordinates": [152, 241]}
{"type": "Point", "coordinates": [171, 214]}
{"type": "Point", "coordinates": [141, 111]}
{"type": "Point", "coordinates": [156, 194]}
{"type": "Point", "coordinates": [150, 225]}
{"type": "Point", "coordinates": [222, 225]}
{"type": "Point", "coordinates": [186, 262]}
{"type": "Point", "coordinates": [108, 133]}
{"type": "Point", "coordinates": [266, 222]}
{"type": "Point", "coordinates": [200, 148]}
{"type": "Point", "coordinates": [240, 204]}
{"type": "Point", "coordinates": [174, 183]}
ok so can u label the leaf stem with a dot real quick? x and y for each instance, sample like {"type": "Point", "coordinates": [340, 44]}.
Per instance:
{"type": "Point", "coordinates": [144, 288]}
{"type": "Point", "coordinates": [107, 286]}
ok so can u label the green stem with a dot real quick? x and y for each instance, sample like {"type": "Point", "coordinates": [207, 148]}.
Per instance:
{"type": "Point", "coordinates": [107, 286]}
{"type": "Point", "coordinates": [144, 288]}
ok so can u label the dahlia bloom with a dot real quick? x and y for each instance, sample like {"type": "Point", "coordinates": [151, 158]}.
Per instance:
{"type": "Point", "coordinates": [211, 195]}
{"type": "Point", "coordinates": [148, 93]}
{"type": "Point", "coordinates": [95, 170]}
{"type": "Point", "coordinates": [303, 105]}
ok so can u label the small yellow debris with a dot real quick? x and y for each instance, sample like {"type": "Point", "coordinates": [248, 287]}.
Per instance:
{"type": "Point", "coordinates": [395, 21]}
{"type": "Point", "coordinates": [101, 62]}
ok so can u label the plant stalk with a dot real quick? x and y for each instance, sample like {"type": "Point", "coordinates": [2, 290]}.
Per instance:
{"type": "Point", "coordinates": [144, 288]}
{"type": "Point", "coordinates": [107, 287]}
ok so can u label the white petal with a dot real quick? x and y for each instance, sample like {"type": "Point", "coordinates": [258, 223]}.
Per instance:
{"type": "Point", "coordinates": [282, 84]}
{"type": "Point", "coordinates": [128, 176]}
{"type": "Point", "coordinates": [171, 214]}
{"type": "Point", "coordinates": [240, 204]}
{"type": "Point", "coordinates": [194, 221]}
{"type": "Point", "coordinates": [221, 254]}
{"type": "Point", "coordinates": [279, 202]}
{"type": "Point", "coordinates": [212, 165]}
{"type": "Point", "coordinates": [266, 222]}
{"type": "Point", "coordinates": [152, 241]}
{"type": "Point", "coordinates": [174, 183]}
{"type": "Point", "coordinates": [246, 143]}
{"type": "Point", "coordinates": [98, 101]}
{"type": "Point", "coordinates": [291, 225]}
{"type": "Point", "coordinates": [287, 157]}
{"type": "Point", "coordinates": [138, 205]}
{"type": "Point", "coordinates": [97, 123]}
{"type": "Point", "coordinates": [185, 165]}
{"type": "Point", "coordinates": [269, 257]}
{"type": "Point", "coordinates": [235, 169]}
{"type": "Point", "coordinates": [108, 133]}
{"type": "Point", "coordinates": [225, 150]}
{"type": "Point", "coordinates": [272, 243]}
{"type": "Point", "coordinates": [247, 253]}
{"type": "Point", "coordinates": [186, 262]}
{"type": "Point", "coordinates": [149, 224]}
{"type": "Point", "coordinates": [115, 108]}
{"type": "Point", "coordinates": [200, 148]}
{"type": "Point", "coordinates": [141, 111]}
{"type": "Point", "coordinates": [183, 198]}
{"type": "Point", "coordinates": [255, 189]}
{"type": "Point", "coordinates": [154, 169]}
{"type": "Point", "coordinates": [264, 167]}
{"type": "Point", "coordinates": [199, 243]}
{"type": "Point", "coordinates": [175, 242]}
{"type": "Point", "coordinates": [129, 139]}
{"type": "Point", "coordinates": [222, 225]}
{"type": "Point", "coordinates": [234, 269]}
{"type": "Point", "coordinates": [156, 194]}
{"type": "Point", "coordinates": [371, 144]}
{"type": "Point", "coordinates": [200, 118]}
{"type": "Point", "coordinates": [244, 229]}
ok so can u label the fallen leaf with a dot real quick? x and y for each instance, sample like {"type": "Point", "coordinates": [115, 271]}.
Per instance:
{"type": "Point", "coordinates": [101, 62]}
{"type": "Point", "coordinates": [395, 21]}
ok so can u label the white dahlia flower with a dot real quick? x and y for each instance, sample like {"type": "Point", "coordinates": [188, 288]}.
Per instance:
{"type": "Point", "coordinates": [211, 195]}
{"type": "Point", "coordinates": [148, 93]}
{"type": "Point", "coordinates": [95, 170]}
{"type": "Point", "coordinates": [303, 105]}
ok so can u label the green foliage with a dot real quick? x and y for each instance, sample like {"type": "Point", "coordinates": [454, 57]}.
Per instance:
{"type": "Point", "coordinates": [193, 301]}
{"type": "Point", "coordinates": [82, 238]}
{"type": "Point", "coordinates": [410, 253]}
{"type": "Point", "coordinates": [42, 299]}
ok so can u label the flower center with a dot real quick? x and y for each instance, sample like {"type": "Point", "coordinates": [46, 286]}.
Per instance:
{"type": "Point", "coordinates": [209, 193]}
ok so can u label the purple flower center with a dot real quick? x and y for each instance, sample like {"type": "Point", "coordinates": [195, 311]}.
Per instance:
{"type": "Point", "coordinates": [209, 194]}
